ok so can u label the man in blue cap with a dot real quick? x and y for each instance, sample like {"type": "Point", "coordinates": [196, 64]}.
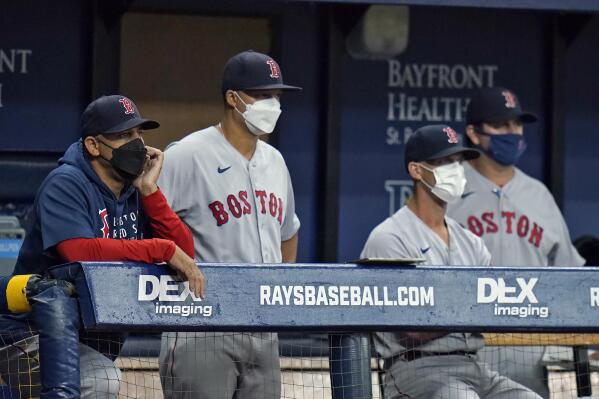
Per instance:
{"type": "Point", "coordinates": [435, 365]}
{"type": "Point", "coordinates": [102, 203]}
{"type": "Point", "coordinates": [512, 212]}
{"type": "Point", "coordinates": [234, 191]}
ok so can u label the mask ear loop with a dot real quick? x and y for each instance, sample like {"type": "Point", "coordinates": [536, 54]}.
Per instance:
{"type": "Point", "coordinates": [244, 103]}
{"type": "Point", "coordinates": [102, 142]}
{"type": "Point", "coordinates": [422, 178]}
{"type": "Point", "coordinates": [478, 129]}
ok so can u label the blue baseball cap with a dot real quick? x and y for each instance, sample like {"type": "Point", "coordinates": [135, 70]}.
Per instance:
{"type": "Point", "coordinates": [496, 104]}
{"type": "Point", "coordinates": [112, 114]}
{"type": "Point", "coordinates": [251, 70]}
{"type": "Point", "coordinates": [434, 142]}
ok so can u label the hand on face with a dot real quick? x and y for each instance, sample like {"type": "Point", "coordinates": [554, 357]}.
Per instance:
{"type": "Point", "coordinates": [146, 182]}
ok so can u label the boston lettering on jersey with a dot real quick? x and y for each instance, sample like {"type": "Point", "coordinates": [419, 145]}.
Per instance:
{"type": "Point", "coordinates": [521, 225]}
{"type": "Point", "coordinates": [124, 226]}
{"type": "Point", "coordinates": [238, 205]}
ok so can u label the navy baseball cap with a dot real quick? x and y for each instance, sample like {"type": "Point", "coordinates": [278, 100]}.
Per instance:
{"type": "Point", "coordinates": [112, 114]}
{"type": "Point", "coordinates": [434, 142]}
{"type": "Point", "coordinates": [496, 104]}
{"type": "Point", "coordinates": [251, 70]}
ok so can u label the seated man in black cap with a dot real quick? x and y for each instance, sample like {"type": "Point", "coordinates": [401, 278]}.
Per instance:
{"type": "Point", "coordinates": [103, 204]}
{"type": "Point", "coordinates": [433, 365]}
{"type": "Point", "coordinates": [234, 191]}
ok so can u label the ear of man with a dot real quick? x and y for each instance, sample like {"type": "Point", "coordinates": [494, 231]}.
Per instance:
{"type": "Point", "coordinates": [471, 135]}
{"type": "Point", "coordinates": [414, 171]}
{"type": "Point", "coordinates": [229, 99]}
{"type": "Point", "coordinates": [91, 145]}
{"type": "Point", "coordinates": [232, 100]}
{"type": "Point", "coordinates": [417, 173]}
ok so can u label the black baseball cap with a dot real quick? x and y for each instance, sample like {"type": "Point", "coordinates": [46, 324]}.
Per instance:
{"type": "Point", "coordinates": [496, 104]}
{"type": "Point", "coordinates": [434, 142]}
{"type": "Point", "coordinates": [251, 70]}
{"type": "Point", "coordinates": [112, 114]}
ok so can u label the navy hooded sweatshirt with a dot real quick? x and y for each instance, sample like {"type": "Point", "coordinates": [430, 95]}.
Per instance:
{"type": "Point", "coordinates": [73, 202]}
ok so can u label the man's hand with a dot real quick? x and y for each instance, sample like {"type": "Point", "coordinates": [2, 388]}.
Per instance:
{"type": "Point", "coordinates": [37, 284]}
{"type": "Point", "coordinates": [146, 182]}
{"type": "Point", "coordinates": [187, 267]}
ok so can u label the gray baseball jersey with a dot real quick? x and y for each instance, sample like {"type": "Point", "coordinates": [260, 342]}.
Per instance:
{"type": "Point", "coordinates": [237, 210]}
{"type": "Point", "coordinates": [520, 223]}
{"type": "Point", "coordinates": [404, 235]}
{"type": "Point", "coordinates": [521, 226]}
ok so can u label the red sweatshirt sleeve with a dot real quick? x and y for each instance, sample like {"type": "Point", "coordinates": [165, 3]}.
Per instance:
{"type": "Point", "coordinates": [155, 250]}
{"type": "Point", "coordinates": [165, 223]}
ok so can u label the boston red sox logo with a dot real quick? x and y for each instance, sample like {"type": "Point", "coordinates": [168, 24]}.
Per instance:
{"type": "Point", "coordinates": [452, 136]}
{"type": "Point", "coordinates": [128, 106]}
{"type": "Point", "coordinates": [510, 99]}
{"type": "Point", "coordinates": [105, 229]}
{"type": "Point", "coordinates": [275, 72]}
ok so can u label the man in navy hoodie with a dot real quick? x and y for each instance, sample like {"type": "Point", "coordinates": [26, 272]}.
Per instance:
{"type": "Point", "coordinates": [103, 204]}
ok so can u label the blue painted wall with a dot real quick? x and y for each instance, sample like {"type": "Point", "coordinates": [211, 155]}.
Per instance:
{"type": "Point", "coordinates": [581, 205]}
{"type": "Point", "coordinates": [300, 135]}
{"type": "Point", "coordinates": [509, 45]}
{"type": "Point", "coordinates": [44, 74]}
{"type": "Point", "coordinates": [41, 108]}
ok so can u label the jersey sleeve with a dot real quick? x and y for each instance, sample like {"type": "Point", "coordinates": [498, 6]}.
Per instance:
{"type": "Point", "coordinates": [484, 254]}
{"type": "Point", "coordinates": [63, 211]}
{"type": "Point", "coordinates": [154, 250]}
{"type": "Point", "coordinates": [384, 244]}
{"type": "Point", "coordinates": [291, 222]}
{"type": "Point", "coordinates": [176, 177]}
{"type": "Point", "coordinates": [565, 254]}
{"type": "Point", "coordinates": [165, 223]}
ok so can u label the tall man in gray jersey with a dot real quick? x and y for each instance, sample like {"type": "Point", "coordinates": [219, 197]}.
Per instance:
{"type": "Point", "coordinates": [512, 212]}
{"type": "Point", "coordinates": [234, 192]}
{"type": "Point", "coordinates": [433, 365]}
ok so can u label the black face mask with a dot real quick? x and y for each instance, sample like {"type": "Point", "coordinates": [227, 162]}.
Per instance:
{"type": "Point", "coordinates": [129, 159]}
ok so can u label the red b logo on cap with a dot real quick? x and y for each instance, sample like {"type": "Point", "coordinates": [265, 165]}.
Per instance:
{"type": "Point", "coordinates": [452, 136]}
{"type": "Point", "coordinates": [128, 106]}
{"type": "Point", "coordinates": [510, 100]}
{"type": "Point", "coordinates": [274, 69]}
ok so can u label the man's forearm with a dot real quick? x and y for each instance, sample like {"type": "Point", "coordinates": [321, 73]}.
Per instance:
{"type": "Point", "coordinates": [289, 249]}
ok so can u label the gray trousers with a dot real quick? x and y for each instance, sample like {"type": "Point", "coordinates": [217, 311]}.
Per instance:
{"type": "Point", "coordinates": [100, 378]}
{"type": "Point", "coordinates": [219, 365]}
{"type": "Point", "coordinates": [522, 364]}
{"type": "Point", "coordinates": [450, 377]}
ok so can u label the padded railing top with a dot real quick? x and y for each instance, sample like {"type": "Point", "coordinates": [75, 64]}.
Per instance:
{"type": "Point", "coordinates": [338, 297]}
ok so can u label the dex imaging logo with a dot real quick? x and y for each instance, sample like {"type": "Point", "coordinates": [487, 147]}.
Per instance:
{"type": "Point", "coordinates": [511, 300]}
{"type": "Point", "coordinates": [166, 289]}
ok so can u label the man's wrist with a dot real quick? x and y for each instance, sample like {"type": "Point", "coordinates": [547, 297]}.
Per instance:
{"type": "Point", "coordinates": [148, 190]}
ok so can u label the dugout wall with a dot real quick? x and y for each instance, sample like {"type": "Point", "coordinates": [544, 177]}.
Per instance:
{"type": "Point", "coordinates": [342, 136]}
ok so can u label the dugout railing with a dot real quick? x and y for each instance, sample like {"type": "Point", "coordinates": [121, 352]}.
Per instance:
{"type": "Point", "coordinates": [349, 301]}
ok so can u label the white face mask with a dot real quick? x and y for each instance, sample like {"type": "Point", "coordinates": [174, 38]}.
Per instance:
{"type": "Point", "coordinates": [261, 116]}
{"type": "Point", "coordinates": [450, 181]}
